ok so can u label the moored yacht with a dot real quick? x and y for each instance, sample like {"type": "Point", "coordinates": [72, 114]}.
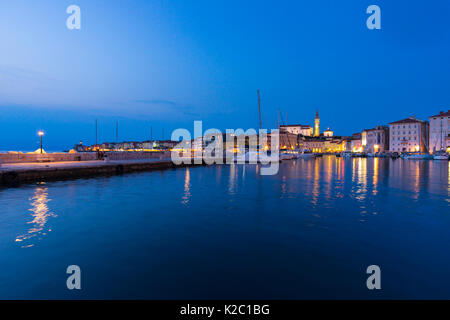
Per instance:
{"type": "Point", "coordinates": [305, 155]}
{"type": "Point", "coordinates": [346, 154]}
{"type": "Point", "coordinates": [286, 155]}
{"type": "Point", "coordinates": [440, 155]}
{"type": "Point", "coordinates": [416, 156]}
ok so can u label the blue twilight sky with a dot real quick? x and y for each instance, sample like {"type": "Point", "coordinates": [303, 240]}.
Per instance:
{"type": "Point", "coordinates": [167, 63]}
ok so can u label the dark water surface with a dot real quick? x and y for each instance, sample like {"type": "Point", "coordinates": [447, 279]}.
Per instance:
{"type": "Point", "coordinates": [228, 232]}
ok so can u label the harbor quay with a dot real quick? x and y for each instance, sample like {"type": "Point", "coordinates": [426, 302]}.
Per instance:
{"type": "Point", "coordinates": [60, 166]}
{"type": "Point", "coordinates": [19, 168]}
{"type": "Point", "coordinates": [16, 173]}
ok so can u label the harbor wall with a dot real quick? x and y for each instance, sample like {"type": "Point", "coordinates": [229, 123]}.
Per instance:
{"type": "Point", "coordinates": [82, 156]}
{"type": "Point", "coordinates": [74, 171]}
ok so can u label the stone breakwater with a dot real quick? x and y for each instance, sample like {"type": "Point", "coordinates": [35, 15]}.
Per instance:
{"type": "Point", "coordinates": [82, 156]}
{"type": "Point", "coordinates": [14, 174]}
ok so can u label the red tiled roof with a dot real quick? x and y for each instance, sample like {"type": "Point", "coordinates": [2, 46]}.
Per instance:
{"type": "Point", "coordinates": [442, 114]}
{"type": "Point", "coordinates": [407, 120]}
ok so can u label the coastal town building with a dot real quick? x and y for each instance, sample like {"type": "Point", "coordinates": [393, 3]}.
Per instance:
{"type": "Point", "coordinates": [375, 140]}
{"type": "Point", "coordinates": [149, 145]}
{"type": "Point", "coordinates": [364, 137]}
{"type": "Point", "coordinates": [166, 144]}
{"type": "Point", "coordinates": [288, 140]}
{"type": "Point", "coordinates": [128, 146]}
{"type": "Point", "coordinates": [322, 144]}
{"type": "Point", "coordinates": [304, 130]}
{"type": "Point", "coordinates": [440, 132]}
{"type": "Point", "coordinates": [305, 138]}
{"type": "Point", "coordinates": [356, 142]}
{"type": "Point", "coordinates": [328, 133]}
{"type": "Point", "coordinates": [408, 135]}
{"type": "Point", "coordinates": [80, 147]}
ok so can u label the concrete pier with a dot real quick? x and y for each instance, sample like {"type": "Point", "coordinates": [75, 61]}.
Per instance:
{"type": "Point", "coordinates": [16, 173]}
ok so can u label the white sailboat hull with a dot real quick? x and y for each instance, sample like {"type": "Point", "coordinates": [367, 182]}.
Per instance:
{"type": "Point", "coordinates": [418, 157]}
{"type": "Point", "coordinates": [306, 155]}
{"type": "Point", "coordinates": [286, 156]}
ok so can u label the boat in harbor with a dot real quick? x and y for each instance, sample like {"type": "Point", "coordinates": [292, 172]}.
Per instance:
{"type": "Point", "coordinates": [253, 157]}
{"type": "Point", "coordinates": [247, 157]}
{"type": "Point", "coordinates": [286, 155]}
{"type": "Point", "coordinates": [305, 155]}
{"type": "Point", "coordinates": [346, 154]}
{"type": "Point", "coordinates": [381, 155]}
{"type": "Point", "coordinates": [416, 156]}
{"type": "Point", "coordinates": [395, 155]}
{"type": "Point", "coordinates": [360, 155]}
{"type": "Point", "coordinates": [441, 155]}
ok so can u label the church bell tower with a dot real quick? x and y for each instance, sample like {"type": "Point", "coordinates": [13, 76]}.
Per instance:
{"type": "Point", "coordinates": [316, 124]}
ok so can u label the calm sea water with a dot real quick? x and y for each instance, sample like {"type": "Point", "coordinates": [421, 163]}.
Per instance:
{"type": "Point", "coordinates": [228, 232]}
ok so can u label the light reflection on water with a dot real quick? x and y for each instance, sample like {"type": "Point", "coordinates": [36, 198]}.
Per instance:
{"type": "Point", "coordinates": [40, 213]}
{"type": "Point", "coordinates": [187, 185]}
{"type": "Point", "coordinates": [221, 229]}
{"type": "Point", "coordinates": [375, 175]}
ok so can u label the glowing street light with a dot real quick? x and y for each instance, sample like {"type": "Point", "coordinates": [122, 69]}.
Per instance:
{"type": "Point", "coordinates": [41, 134]}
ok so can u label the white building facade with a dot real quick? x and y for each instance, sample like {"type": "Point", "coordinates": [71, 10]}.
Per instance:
{"type": "Point", "coordinates": [440, 131]}
{"type": "Point", "coordinates": [408, 135]}
{"type": "Point", "coordinates": [328, 133]}
{"type": "Point", "coordinates": [304, 130]}
{"type": "Point", "coordinates": [376, 139]}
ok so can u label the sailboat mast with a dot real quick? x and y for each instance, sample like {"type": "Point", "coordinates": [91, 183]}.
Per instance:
{"type": "Point", "coordinates": [259, 109]}
{"type": "Point", "coordinates": [278, 118]}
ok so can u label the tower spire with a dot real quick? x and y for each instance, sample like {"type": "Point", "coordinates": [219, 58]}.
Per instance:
{"type": "Point", "coordinates": [316, 124]}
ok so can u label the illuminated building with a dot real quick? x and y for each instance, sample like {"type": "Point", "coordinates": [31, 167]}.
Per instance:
{"type": "Point", "coordinates": [440, 131]}
{"type": "Point", "coordinates": [364, 138]}
{"type": "Point", "coordinates": [376, 139]}
{"type": "Point", "coordinates": [408, 135]}
{"type": "Point", "coordinates": [316, 124]}
{"type": "Point", "coordinates": [356, 143]}
{"type": "Point", "coordinates": [322, 144]}
{"type": "Point", "coordinates": [328, 133]}
{"type": "Point", "coordinates": [304, 130]}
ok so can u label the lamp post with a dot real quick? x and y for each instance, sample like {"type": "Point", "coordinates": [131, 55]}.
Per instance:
{"type": "Point", "coordinates": [41, 134]}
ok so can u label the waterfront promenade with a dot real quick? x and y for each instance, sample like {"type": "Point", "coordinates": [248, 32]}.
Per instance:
{"type": "Point", "coordinates": [13, 173]}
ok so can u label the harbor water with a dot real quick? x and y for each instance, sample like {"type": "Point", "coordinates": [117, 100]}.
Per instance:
{"type": "Point", "coordinates": [225, 231]}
